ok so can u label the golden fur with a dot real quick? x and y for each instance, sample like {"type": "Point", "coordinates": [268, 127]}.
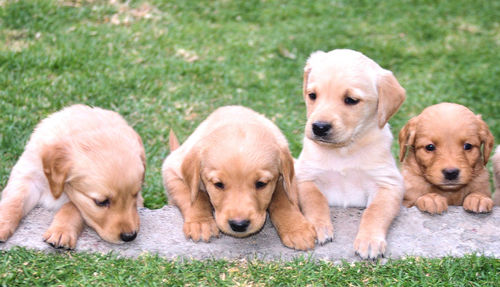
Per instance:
{"type": "Point", "coordinates": [77, 159]}
{"type": "Point", "coordinates": [346, 159]}
{"type": "Point", "coordinates": [496, 174]}
{"type": "Point", "coordinates": [444, 164]}
{"type": "Point", "coordinates": [229, 172]}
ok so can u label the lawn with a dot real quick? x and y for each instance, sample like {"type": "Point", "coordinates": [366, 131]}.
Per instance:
{"type": "Point", "coordinates": [167, 64]}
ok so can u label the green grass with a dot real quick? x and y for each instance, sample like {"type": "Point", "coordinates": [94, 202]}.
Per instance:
{"type": "Point", "coordinates": [29, 268]}
{"type": "Point", "coordinates": [167, 64]}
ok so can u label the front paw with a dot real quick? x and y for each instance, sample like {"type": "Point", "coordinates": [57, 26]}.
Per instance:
{"type": "Point", "coordinates": [60, 237]}
{"type": "Point", "coordinates": [432, 203]}
{"type": "Point", "coordinates": [478, 203]}
{"type": "Point", "coordinates": [369, 246]}
{"type": "Point", "coordinates": [301, 237]}
{"type": "Point", "coordinates": [201, 229]}
{"type": "Point", "coordinates": [6, 231]}
{"type": "Point", "coordinates": [324, 230]}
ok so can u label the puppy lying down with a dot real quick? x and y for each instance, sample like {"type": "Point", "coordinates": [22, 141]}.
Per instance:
{"type": "Point", "coordinates": [346, 159]}
{"type": "Point", "coordinates": [229, 172]}
{"type": "Point", "coordinates": [87, 164]}
{"type": "Point", "coordinates": [444, 165]}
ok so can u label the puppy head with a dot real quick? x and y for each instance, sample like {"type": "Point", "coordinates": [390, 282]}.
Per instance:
{"type": "Point", "coordinates": [446, 141]}
{"type": "Point", "coordinates": [103, 180]}
{"type": "Point", "coordinates": [347, 94]}
{"type": "Point", "coordinates": [240, 171]}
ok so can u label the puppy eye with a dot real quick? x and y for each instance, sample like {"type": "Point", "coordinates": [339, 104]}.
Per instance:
{"type": "Point", "coordinates": [430, 147]}
{"type": "Point", "coordinates": [312, 96]}
{"type": "Point", "coordinates": [350, 101]}
{"type": "Point", "coordinates": [467, 146]}
{"type": "Point", "coordinates": [103, 203]}
{"type": "Point", "coordinates": [260, 184]}
{"type": "Point", "coordinates": [219, 185]}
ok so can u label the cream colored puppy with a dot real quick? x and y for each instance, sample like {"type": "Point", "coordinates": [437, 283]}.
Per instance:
{"type": "Point", "coordinates": [87, 164]}
{"type": "Point", "coordinates": [346, 159]}
{"type": "Point", "coordinates": [233, 168]}
{"type": "Point", "coordinates": [496, 176]}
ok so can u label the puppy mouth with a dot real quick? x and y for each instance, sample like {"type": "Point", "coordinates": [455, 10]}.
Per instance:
{"type": "Point", "coordinates": [329, 142]}
{"type": "Point", "coordinates": [450, 186]}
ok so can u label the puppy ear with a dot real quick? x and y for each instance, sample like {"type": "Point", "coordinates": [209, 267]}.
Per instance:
{"type": "Point", "coordinates": [487, 139]}
{"type": "Point", "coordinates": [307, 71]}
{"type": "Point", "coordinates": [407, 137]}
{"type": "Point", "coordinates": [56, 166]}
{"type": "Point", "coordinates": [287, 173]}
{"type": "Point", "coordinates": [190, 170]}
{"type": "Point", "coordinates": [390, 97]}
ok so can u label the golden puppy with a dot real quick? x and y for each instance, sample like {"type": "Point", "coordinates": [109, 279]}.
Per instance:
{"type": "Point", "coordinates": [444, 165]}
{"type": "Point", "coordinates": [496, 173]}
{"type": "Point", "coordinates": [346, 159]}
{"type": "Point", "coordinates": [234, 167]}
{"type": "Point", "coordinates": [88, 164]}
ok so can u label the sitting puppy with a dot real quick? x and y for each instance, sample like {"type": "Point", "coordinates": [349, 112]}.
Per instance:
{"type": "Point", "coordinates": [496, 172]}
{"type": "Point", "coordinates": [444, 165]}
{"type": "Point", "coordinates": [346, 159]}
{"type": "Point", "coordinates": [88, 164]}
{"type": "Point", "coordinates": [236, 163]}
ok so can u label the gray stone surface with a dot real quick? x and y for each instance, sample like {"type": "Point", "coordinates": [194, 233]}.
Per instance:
{"type": "Point", "coordinates": [413, 233]}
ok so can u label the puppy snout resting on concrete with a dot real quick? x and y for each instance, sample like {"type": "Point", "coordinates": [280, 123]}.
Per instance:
{"type": "Point", "coordinates": [346, 159]}
{"type": "Point", "coordinates": [229, 172]}
{"type": "Point", "coordinates": [444, 164]}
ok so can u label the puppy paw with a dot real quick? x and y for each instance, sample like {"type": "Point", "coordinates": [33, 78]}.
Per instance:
{"type": "Point", "coordinates": [478, 203]}
{"type": "Point", "coordinates": [369, 247]}
{"type": "Point", "coordinates": [432, 203]}
{"type": "Point", "coordinates": [60, 237]}
{"type": "Point", "coordinates": [324, 230]}
{"type": "Point", "coordinates": [301, 237]}
{"type": "Point", "coordinates": [203, 229]}
{"type": "Point", "coordinates": [6, 231]}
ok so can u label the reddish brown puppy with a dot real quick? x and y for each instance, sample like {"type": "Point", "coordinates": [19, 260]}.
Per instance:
{"type": "Point", "coordinates": [444, 164]}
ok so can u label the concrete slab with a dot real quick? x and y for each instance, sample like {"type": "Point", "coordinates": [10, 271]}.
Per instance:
{"type": "Point", "coordinates": [413, 233]}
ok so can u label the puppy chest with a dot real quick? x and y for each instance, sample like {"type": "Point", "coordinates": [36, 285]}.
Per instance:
{"type": "Point", "coordinates": [346, 188]}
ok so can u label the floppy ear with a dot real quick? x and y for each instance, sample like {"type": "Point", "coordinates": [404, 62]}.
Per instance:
{"type": "Point", "coordinates": [190, 170]}
{"type": "Point", "coordinates": [390, 97]}
{"type": "Point", "coordinates": [307, 71]}
{"type": "Point", "coordinates": [407, 137]}
{"type": "Point", "coordinates": [487, 139]}
{"type": "Point", "coordinates": [56, 166]}
{"type": "Point", "coordinates": [287, 173]}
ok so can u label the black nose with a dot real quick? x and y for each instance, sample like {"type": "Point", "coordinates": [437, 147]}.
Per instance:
{"type": "Point", "coordinates": [451, 173]}
{"type": "Point", "coordinates": [128, 236]}
{"type": "Point", "coordinates": [239, 225]}
{"type": "Point", "coordinates": [321, 128]}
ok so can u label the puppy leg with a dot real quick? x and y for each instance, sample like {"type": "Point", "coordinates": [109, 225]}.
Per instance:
{"type": "Point", "coordinates": [314, 206]}
{"type": "Point", "coordinates": [294, 230]}
{"type": "Point", "coordinates": [11, 212]}
{"type": "Point", "coordinates": [65, 228]}
{"type": "Point", "coordinates": [478, 203]}
{"type": "Point", "coordinates": [432, 203]}
{"type": "Point", "coordinates": [375, 221]}
{"type": "Point", "coordinates": [16, 203]}
{"type": "Point", "coordinates": [198, 217]}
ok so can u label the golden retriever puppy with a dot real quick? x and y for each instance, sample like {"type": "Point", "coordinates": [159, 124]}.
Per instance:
{"type": "Point", "coordinates": [346, 158]}
{"type": "Point", "coordinates": [496, 173]}
{"type": "Point", "coordinates": [86, 163]}
{"type": "Point", "coordinates": [444, 165]}
{"type": "Point", "coordinates": [229, 172]}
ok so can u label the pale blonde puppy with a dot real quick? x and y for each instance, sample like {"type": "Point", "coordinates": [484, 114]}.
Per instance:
{"type": "Point", "coordinates": [496, 174]}
{"type": "Point", "coordinates": [233, 168]}
{"type": "Point", "coordinates": [88, 165]}
{"type": "Point", "coordinates": [346, 159]}
{"type": "Point", "coordinates": [444, 164]}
